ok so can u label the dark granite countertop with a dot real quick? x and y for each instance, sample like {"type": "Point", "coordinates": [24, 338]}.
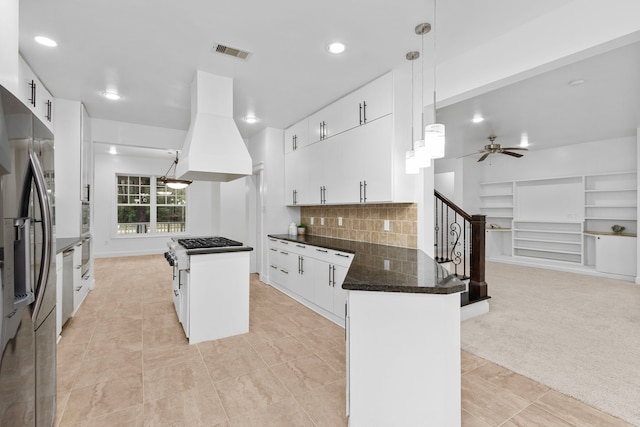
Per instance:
{"type": "Point", "coordinates": [386, 268]}
{"type": "Point", "coordinates": [204, 251]}
{"type": "Point", "coordinates": [64, 243]}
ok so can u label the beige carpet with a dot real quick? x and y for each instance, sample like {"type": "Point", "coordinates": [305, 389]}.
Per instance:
{"type": "Point", "coordinates": [575, 333]}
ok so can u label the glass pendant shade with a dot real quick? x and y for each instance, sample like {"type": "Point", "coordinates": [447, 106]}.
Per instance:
{"type": "Point", "coordinates": [434, 136]}
{"type": "Point", "coordinates": [411, 164]}
{"type": "Point", "coordinates": [177, 184]}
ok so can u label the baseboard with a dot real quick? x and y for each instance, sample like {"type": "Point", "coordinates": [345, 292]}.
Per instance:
{"type": "Point", "coordinates": [126, 254]}
{"type": "Point", "coordinates": [559, 266]}
{"type": "Point", "coordinates": [473, 310]}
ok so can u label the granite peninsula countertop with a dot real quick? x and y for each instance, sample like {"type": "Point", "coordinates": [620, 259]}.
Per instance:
{"type": "Point", "coordinates": [386, 268]}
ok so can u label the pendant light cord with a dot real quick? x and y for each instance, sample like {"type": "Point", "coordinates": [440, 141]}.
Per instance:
{"type": "Point", "coordinates": [435, 57]}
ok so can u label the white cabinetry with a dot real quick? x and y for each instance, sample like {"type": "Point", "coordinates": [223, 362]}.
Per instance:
{"type": "Point", "coordinates": [297, 136]}
{"type": "Point", "coordinates": [81, 284]}
{"type": "Point", "coordinates": [355, 153]}
{"type": "Point", "coordinates": [9, 36]}
{"type": "Point", "coordinates": [616, 255]}
{"type": "Point", "coordinates": [73, 142]}
{"type": "Point", "coordinates": [311, 274]}
{"type": "Point", "coordinates": [32, 92]}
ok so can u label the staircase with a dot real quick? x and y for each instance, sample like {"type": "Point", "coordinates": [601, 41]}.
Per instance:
{"type": "Point", "coordinates": [459, 246]}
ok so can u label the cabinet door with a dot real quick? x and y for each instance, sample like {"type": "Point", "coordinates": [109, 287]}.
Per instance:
{"type": "Point", "coordinates": [616, 255]}
{"type": "Point", "coordinates": [339, 294]}
{"type": "Point", "coordinates": [287, 270]}
{"type": "Point", "coordinates": [322, 286]}
{"type": "Point", "coordinates": [9, 34]}
{"type": "Point", "coordinates": [305, 277]}
{"type": "Point", "coordinates": [297, 136]}
{"type": "Point", "coordinates": [294, 162]}
{"type": "Point", "coordinates": [374, 143]}
{"type": "Point", "coordinates": [341, 178]}
{"type": "Point", "coordinates": [378, 97]}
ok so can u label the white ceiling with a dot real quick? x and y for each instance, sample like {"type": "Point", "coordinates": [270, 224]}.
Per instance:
{"type": "Point", "coordinates": [149, 50]}
{"type": "Point", "coordinates": [549, 110]}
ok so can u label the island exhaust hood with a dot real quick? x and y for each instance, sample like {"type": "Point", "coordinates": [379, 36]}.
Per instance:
{"type": "Point", "coordinates": [214, 149]}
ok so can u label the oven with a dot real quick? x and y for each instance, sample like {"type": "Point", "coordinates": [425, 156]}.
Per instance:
{"type": "Point", "coordinates": [85, 227]}
{"type": "Point", "coordinates": [86, 256]}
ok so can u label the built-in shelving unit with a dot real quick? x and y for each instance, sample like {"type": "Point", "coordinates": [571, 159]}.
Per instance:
{"type": "Point", "coordinates": [558, 241]}
{"type": "Point", "coordinates": [555, 220]}
{"type": "Point", "coordinates": [611, 199]}
{"type": "Point", "coordinates": [496, 202]}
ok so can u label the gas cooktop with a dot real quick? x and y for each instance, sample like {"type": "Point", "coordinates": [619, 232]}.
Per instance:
{"type": "Point", "coordinates": [207, 242]}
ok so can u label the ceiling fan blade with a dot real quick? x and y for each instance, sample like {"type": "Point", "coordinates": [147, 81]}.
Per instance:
{"type": "Point", "coordinates": [471, 154]}
{"type": "Point", "coordinates": [515, 148]}
{"type": "Point", "coordinates": [509, 153]}
{"type": "Point", "coordinates": [484, 156]}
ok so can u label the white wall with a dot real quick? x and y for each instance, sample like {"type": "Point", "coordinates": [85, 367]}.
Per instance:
{"type": "Point", "coordinates": [267, 148]}
{"type": "Point", "coordinates": [571, 160]}
{"type": "Point", "coordinates": [113, 132]}
{"type": "Point", "coordinates": [201, 212]}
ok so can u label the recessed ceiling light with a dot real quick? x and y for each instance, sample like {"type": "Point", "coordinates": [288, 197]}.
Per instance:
{"type": "Point", "coordinates": [336, 47]}
{"type": "Point", "coordinates": [524, 140]}
{"type": "Point", "coordinates": [477, 119]}
{"type": "Point", "coordinates": [113, 150]}
{"type": "Point", "coordinates": [111, 95]}
{"type": "Point", "coordinates": [251, 119]}
{"type": "Point", "coordinates": [576, 82]}
{"type": "Point", "coordinates": [46, 41]}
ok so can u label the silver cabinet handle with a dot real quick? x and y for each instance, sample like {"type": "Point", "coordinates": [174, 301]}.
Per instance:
{"type": "Point", "coordinates": [284, 271]}
{"type": "Point", "coordinates": [78, 288]}
{"type": "Point", "coordinates": [273, 249]}
{"type": "Point", "coordinates": [360, 107]}
{"type": "Point", "coordinates": [365, 190]}
{"type": "Point", "coordinates": [273, 240]}
{"type": "Point", "coordinates": [342, 255]}
{"type": "Point", "coordinates": [322, 250]}
{"type": "Point", "coordinates": [329, 275]}
{"type": "Point", "coordinates": [273, 266]}
{"type": "Point", "coordinates": [284, 253]}
{"type": "Point", "coordinates": [364, 116]}
{"type": "Point", "coordinates": [301, 246]}
{"type": "Point", "coordinates": [176, 293]}
{"type": "Point", "coordinates": [361, 191]}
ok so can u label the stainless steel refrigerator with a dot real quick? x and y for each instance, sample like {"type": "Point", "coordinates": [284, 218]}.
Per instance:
{"type": "Point", "coordinates": [27, 265]}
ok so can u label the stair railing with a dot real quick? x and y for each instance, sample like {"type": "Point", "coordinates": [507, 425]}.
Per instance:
{"type": "Point", "coordinates": [459, 240]}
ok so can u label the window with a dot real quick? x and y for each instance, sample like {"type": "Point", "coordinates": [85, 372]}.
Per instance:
{"type": "Point", "coordinates": [147, 206]}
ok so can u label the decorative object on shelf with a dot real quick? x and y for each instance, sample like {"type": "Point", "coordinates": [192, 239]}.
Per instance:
{"type": "Point", "coordinates": [494, 148]}
{"type": "Point", "coordinates": [618, 229]}
{"type": "Point", "coordinates": [302, 228]}
{"type": "Point", "coordinates": [171, 181]}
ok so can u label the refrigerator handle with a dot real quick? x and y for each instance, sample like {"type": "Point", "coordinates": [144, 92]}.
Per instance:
{"type": "Point", "coordinates": [34, 171]}
{"type": "Point", "coordinates": [22, 289]}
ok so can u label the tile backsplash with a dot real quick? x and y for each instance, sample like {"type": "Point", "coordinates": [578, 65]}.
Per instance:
{"type": "Point", "coordinates": [365, 223]}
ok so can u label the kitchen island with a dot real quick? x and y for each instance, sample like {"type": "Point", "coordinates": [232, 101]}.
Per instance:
{"type": "Point", "coordinates": [403, 335]}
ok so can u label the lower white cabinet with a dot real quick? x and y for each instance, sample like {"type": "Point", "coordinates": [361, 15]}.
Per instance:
{"type": "Point", "coordinates": [311, 274]}
{"type": "Point", "coordinates": [616, 255]}
{"type": "Point", "coordinates": [81, 284]}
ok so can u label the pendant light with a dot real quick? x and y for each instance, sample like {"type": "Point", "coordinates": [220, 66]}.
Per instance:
{"type": "Point", "coordinates": [411, 160]}
{"type": "Point", "coordinates": [421, 146]}
{"type": "Point", "coordinates": [434, 133]}
{"type": "Point", "coordinates": [171, 181]}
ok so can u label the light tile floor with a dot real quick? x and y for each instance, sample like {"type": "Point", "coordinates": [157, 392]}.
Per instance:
{"type": "Point", "coordinates": [123, 360]}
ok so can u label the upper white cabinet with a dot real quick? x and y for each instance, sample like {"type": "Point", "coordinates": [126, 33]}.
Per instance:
{"type": "Point", "coordinates": [9, 36]}
{"type": "Point", "coordinates": [355, 151]}
{"type": "Point", "coordinates": [72, 142]}
{"type": "Point", "coordinates": [32, 92]}
{"type": "Point", "coordinates": [297, 136]}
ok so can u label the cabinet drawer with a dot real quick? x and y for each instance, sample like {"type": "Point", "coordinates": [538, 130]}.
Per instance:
{"type": "Point", "coordinates": [332, 256]}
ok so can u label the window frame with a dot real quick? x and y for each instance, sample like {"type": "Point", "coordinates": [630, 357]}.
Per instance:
{"type": "Point", "coordinates": [153, 209]}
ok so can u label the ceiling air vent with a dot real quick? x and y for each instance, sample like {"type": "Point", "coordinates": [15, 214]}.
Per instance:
{"type": "Point", "coordinates": [231, 51]}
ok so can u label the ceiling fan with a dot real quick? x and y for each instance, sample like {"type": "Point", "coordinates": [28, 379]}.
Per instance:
{"type": "Point", "coordinates": [494, 148]}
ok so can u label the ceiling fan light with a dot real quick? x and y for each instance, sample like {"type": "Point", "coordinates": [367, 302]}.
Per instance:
{"type": "Point", "coordinates": [411, 163]}
{"type": "Point", "coordinates": [434, 136]}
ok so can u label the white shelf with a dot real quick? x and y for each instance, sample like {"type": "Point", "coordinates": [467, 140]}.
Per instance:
{"type": "Point", "coordinates": [503, 206]}
{"type": "Point", "coordinates": [531, 230]}
{"type": "Point", "coordinates": [564, 242]}
{"type": "Point", "coordinates": [612, 206]}
{"type": "Point", "coordinates": [611, 190]}
{"type": "Point", "coordinates": [554, 251]}
{"type": "Point", "coordinates": [497, 195]}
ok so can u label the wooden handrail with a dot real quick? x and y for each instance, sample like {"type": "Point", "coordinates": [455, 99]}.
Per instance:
{"type": "Point", "coordinates": [453, 206]}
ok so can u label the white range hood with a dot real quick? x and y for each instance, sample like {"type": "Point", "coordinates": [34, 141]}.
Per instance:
{"type": "Point", "coordinates": [214, 149]}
